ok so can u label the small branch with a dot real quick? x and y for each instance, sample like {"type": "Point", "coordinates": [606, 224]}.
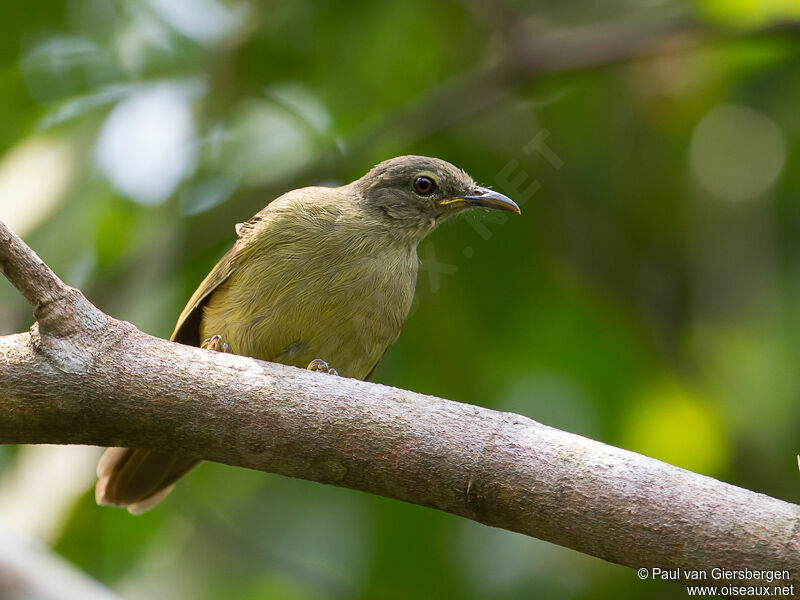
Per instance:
{"type": "Point", "coordinates": [531, 53]}
{"type": "Point", "coordinates": [113, 385]}
{"type": "Point", "coordinates": [536, 53]}
{"type": "Point", "coordinates": [59, 309]}
{"type": "Point", "coordinates": [27, 272]}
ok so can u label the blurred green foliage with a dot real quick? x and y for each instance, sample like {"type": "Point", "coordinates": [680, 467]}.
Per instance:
{"type": "Point", "coordinates": [648, 297]}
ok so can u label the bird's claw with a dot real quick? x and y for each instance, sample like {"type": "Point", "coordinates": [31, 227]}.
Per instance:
{"type": "Point", "coordinates": [320, 366]}
{"type": "Point", "coordinates": [215, 343]}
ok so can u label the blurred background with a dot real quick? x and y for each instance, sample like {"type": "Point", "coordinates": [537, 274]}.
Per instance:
{"type": "Point", "coordinates": [648, 297]}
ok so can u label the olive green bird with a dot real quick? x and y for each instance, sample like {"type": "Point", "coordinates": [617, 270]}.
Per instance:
{"type": "Point", "coordinates": [320, 274]}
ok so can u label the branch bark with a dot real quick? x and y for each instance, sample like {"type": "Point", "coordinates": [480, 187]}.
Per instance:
{"type": "Point", "coordinates": [82, 377]}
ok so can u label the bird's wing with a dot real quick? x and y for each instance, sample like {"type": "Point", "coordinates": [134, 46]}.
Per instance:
{"type": "Point", "coordinates": [187, 329]}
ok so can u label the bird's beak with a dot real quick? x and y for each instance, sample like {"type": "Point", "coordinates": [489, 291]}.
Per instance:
{"type": "Point", "coordinates": [485, 198]}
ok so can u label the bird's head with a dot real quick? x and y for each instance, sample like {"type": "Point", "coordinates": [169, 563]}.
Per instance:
{"type": "Point", "coordinates": [413, 194]}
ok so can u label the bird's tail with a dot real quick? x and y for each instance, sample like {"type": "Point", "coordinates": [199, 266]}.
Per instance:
{"type": "Point", "coordinates": [138, 479]}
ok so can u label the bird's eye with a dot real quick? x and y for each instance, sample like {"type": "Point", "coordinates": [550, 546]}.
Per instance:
{"type": "Point", "coordinates": [424, 186]}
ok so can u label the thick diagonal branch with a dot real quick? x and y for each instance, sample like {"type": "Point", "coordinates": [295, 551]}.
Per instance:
{"type": "Point", "coordinates": [113, 385]}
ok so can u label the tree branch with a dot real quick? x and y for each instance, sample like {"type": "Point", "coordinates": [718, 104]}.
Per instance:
{"type": "Point", "coordinates": [96, 380]}
{"type": "Point", "coordinates": [27, 272]}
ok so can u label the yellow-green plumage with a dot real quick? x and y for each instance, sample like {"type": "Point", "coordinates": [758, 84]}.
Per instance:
{"type": "Point", "coordinates": [320, 273]}
{"type": "Point", "coordinates": [333, 287]}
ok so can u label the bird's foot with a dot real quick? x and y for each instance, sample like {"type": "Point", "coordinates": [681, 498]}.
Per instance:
{"type": "Point", "coordinates": [320, 366]}
{"type": "Point", "coordinates": [215, 343]}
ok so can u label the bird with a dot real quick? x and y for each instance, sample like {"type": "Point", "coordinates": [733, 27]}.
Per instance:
{"type": "Point", "coordinates": [321, 278]}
